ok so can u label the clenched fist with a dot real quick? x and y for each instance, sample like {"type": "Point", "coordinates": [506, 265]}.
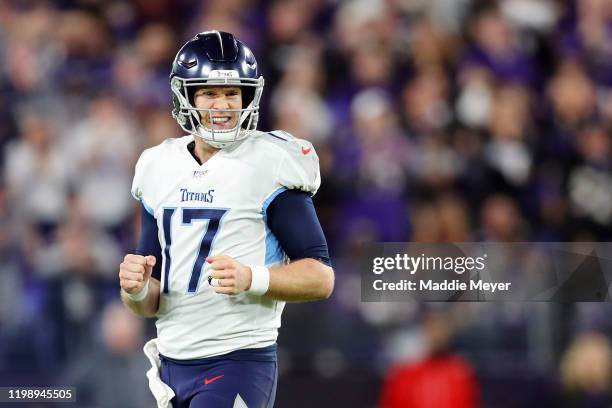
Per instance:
{"type": "Point", "coordinates": [135, 271]}
{"type": "Point", "coordinates": [229, 276]}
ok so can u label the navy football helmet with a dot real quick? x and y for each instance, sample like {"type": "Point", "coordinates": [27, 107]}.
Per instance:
{"type": "Point", "coordinates": [215, 58]}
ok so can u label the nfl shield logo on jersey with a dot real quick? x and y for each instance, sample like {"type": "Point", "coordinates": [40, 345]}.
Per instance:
{"type": "Point", "coordinates": [198, 174]}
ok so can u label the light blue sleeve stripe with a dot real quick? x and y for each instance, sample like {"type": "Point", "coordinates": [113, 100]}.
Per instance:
{"type": "Point", "coordinates": [271, 198]}
{"type": "Point", "coordinates": [274, 252]}
{"type": "Point", "coordinates": [148, 208]}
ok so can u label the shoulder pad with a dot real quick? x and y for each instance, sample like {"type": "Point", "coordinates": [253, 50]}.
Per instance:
{"type": "Point", "coordinates": [299, 164]}
{"type": "Point", "coordinates": [143, 174]}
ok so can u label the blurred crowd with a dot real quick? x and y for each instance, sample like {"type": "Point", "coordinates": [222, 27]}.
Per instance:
{"type": "Point", "coordinates": [434, 120]}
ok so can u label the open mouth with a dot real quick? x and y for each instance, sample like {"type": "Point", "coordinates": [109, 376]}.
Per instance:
{"type": "Point", "coordinates": [222, 122]}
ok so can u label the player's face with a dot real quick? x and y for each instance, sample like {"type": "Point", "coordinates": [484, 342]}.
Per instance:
{"type": "Point", "coordinates": [219, 98]}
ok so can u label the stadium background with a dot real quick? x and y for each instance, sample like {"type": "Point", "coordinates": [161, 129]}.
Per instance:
{"type": "Point", "coordinates": [440, 120]}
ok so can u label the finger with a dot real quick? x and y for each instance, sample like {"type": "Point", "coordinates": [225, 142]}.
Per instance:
{"type": "Point", "coordinates": [151, 260]}
{"type": "Point", "coordinates": [212, 281]}
{"type": "Point", "coordinates": [149, 267]}
{"type": "Point", "coordinates": [227, 283]}
{"type": "Point", "coordinates": [213, 258]}
{"type": "Point", "coordinates": [126, 275]}
{"type": "Point", "coordinates": [222, 274]}
{"type": "Point", "coordinates": [225, 290]}
{"type": "Point", "coordinates": [138, 259]}
{"type": "Point", "coordinates": [222, 264]}
{"type": "Point", "coordinates": [133, 267]}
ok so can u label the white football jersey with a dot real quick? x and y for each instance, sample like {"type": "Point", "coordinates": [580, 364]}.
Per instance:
{"type": "Point", "coordinates": [218, 208]}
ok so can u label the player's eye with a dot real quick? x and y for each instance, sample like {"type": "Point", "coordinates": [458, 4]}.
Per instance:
{"type": "Point", "coordinates": [202, 92]}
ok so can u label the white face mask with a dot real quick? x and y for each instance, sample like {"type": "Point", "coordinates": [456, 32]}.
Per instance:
{"type": "Point", "coordinates": [221, 138]}
{"type": "Point", "coordinates": [188, 116]}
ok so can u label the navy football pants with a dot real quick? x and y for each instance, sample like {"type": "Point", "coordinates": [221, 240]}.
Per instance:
{"type": "Point", "coordinates": [224, 381]}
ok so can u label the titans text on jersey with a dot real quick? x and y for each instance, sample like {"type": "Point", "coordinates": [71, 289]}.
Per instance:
{"type": "Point", "coordinates": [187, 195]}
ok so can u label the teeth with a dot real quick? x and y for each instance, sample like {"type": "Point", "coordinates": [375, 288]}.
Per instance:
{"type": "Point", "coordinates": [220, 120]}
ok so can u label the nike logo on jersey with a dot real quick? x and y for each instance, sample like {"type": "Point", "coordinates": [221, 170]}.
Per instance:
{"type": "Point", "coordinates": [207, 381]}
{"type": "Point", "coordinates": [306, 151]}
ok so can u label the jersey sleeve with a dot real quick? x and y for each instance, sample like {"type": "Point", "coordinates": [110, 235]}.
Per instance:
{"type": "Point", "coordinates": [293, 220]}
{"type": "Point", "coordinates": [140, 189]}
{"type": "Point", "coordinates": [299, 166]}
{"type": "Point", "coordinates": [149, 244]}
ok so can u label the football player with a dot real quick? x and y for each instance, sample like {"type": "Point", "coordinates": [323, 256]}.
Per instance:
{"type": "Point", "coordinates": [229, 234]}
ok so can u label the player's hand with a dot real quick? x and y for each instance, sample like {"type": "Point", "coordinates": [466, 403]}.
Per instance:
{"type": "Point", "coordinates": [231, 276]}
{"type": "Point", "coordinates": [135, 271]}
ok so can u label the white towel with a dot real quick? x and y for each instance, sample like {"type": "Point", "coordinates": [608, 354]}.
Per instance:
{"type": "Point", "coordinates": [161, 391]}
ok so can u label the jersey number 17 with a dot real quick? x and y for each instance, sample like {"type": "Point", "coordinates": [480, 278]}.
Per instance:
{"type": "Point", "coordinates": [214, 216]}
